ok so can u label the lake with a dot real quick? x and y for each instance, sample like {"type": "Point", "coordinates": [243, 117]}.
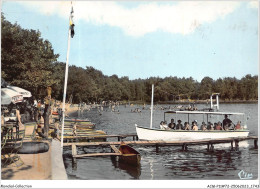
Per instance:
{"type": "Point", "coordinates": [170, 163]}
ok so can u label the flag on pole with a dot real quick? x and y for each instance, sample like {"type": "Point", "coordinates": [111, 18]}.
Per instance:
{"type": "Point", "coordinates": [72, 25]}
{"type": "Point", "coordinates": [70, 34]}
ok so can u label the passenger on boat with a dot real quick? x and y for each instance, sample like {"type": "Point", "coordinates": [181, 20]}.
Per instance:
{"type": "Point", "coordinates": [186, 126]}
{"type": "Point", "coordinates": [161, 125]}
{"type": "Point", "coordinates": [226, 128]}
{"type": "Point", "coordinates": [218, 126]}
{"type": "Point", "coordinates": [165, 125]}
{"type": "Point", "coordinates": [215, 126]}
{"type": "Point", "coordinates": [210, 126]}
{"type": "Point", "coordinates": [238, 125]}
{"type": "Point", "coordinates": [179, 126]}
{"type": "Point", "coordinates": [172, 124]}
{"type": "Point", "coordinates": [226, 122]}
{"type": "Point", "coordinates": [203, 127]}
{"type": "Point", "coordinates": [194, 126]}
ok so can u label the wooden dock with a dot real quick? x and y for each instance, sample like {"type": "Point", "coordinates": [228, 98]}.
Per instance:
{"type": "Point", "coordinates": [98, 135]}
{"type": "Point", "coordinates": [184, 144]}
{"type": "Point", "coordinates": [163, 143]}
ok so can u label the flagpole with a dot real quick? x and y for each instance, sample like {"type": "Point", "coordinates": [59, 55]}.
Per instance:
{"type": "Point", "coordinates": [65, 84]}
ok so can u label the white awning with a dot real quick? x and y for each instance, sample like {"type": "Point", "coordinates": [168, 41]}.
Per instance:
{"type": "Point", "coordinates": [25, 93]}
{"type": "Point", "coordinates": [8, 96]}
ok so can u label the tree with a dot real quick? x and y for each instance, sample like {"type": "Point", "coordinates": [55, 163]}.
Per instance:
{"type": "Point", "coordinates": [206, 87]}
{"type": "Point", "coordinates": [27, 59]}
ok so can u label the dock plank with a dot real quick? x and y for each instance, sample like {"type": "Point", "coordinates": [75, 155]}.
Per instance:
{"type": "Point", "coordinates": [96, 154]}
{"type": "Point", "coordinates": [115, 149]}
{"type": "Point", "coordinates": [174, 143]}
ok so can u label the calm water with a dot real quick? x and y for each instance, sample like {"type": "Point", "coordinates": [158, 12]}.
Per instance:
{"type": "Point", "coordinates": [170, 163]}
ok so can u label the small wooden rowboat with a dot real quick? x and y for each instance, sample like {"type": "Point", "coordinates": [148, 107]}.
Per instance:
{"type": "Point", "coordinates": [129, 155]}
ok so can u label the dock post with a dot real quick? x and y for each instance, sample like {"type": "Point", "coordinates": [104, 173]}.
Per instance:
{"type": "Point", "coordinates": [255, 143]}
{"type": "Point", "coordinates": [208, 147]}
{"type": "Point", "coordinates": [232, 147]}
{"type": "Point", "coordinates": [211, 147]}
{"type": "Point", "coordinates": [118, 138]}
{"type": "Point", "coordinates": [74, 152]}
{"type": "Point", "coordinates": [157, 148]}
{"type": "Point", "coordinates": [184, 147]}
{"type": "Point", "coordinates": [237, 145]}
{"type": "Point", "coordinates": [137, 137]}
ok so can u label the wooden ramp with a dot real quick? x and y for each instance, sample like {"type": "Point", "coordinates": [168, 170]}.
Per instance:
{"type": "Point", "coordinates": [96, 154]}
{"type": "Point", "coordinates": [75, 154]}
{"type": "Point", "coordinates": [113, 147]}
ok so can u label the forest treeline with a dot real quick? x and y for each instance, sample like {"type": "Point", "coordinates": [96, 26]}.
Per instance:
{"type": "Point", "coordinates": [29, 61]}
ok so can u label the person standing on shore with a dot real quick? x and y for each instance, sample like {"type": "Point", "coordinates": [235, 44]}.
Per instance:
{"type": "Point", "coordinates": [38, 112]}
{"type": "Point", "coordinates": [47, 112]}
{"type": "Point", "coordinates": [18, 119]}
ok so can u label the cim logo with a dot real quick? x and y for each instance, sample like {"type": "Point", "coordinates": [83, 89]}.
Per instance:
{"type": "Point", "coordinates": [244, 175]}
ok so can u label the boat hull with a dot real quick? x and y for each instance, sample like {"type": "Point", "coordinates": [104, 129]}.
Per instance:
{"type": "Point", "coordinates": [183, 135]}
{"type": "Point", "coordinates": [129, 155]}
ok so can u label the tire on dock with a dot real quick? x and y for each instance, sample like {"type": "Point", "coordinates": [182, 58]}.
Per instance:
{"type": "Point", "coordinates": [34, 148]}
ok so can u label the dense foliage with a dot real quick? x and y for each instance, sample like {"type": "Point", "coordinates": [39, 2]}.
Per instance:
{"type": "Point", "coordinates": [28, 61]}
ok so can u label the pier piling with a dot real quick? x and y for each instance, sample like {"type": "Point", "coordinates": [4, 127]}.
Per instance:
{"type": "Point", "coordinates": [74, 153]}
{"type": "Point", "coordinates": [255, 143]}
{"type": "Point", "coordinates": [210, 147]}
{"type": "Point", "coordinates": [184, 147]}
{"type": "Point", "coordinates": [157, 148]}
{"type": "Point", "coordinates": [232, 147]}
{"type": "Point", "coordinates": [236, 145]}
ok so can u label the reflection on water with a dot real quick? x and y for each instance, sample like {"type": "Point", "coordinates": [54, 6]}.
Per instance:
{"type": "Point", "coordinates": [151, 168]}
{"type": "Point", "coordinates": [133, 171]}
{"type": "Point", "coordinates": [171, 163]}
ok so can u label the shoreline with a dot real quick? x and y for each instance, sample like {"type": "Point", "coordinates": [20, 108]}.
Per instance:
{"type": "Point", "coordinates": [193, 101]}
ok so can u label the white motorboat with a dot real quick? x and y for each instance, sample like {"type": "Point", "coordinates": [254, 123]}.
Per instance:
{"type": "Point", "coordinates": [208, 117]}
{"type": "Point", "coordinates": [145, 133]}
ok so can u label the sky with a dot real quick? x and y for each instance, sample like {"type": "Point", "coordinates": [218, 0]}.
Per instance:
{"type": "Point", "coordinates": [142, 39]}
